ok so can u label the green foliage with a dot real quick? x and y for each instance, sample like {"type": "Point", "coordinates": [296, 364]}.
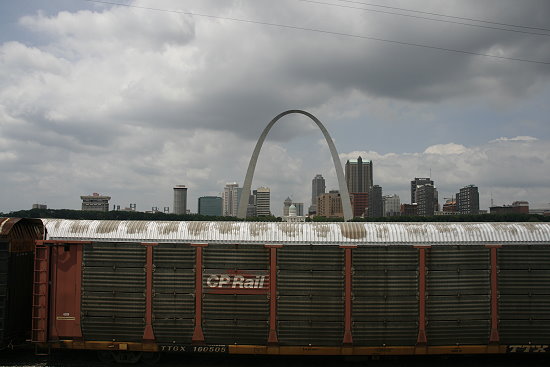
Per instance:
{"type": "Point", "coordinates": [112, 215]}
{"type": "Point", "coordinates": [123, 215]}
{"type": "Point", "coordinates": [461, 218]}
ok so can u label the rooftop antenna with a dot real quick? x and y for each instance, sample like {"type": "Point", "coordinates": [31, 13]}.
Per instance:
{"type": "Point", "coordinates": [492, 199]}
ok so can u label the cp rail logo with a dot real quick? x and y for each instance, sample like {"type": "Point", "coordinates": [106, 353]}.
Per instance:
{"type": "Point", "coordinates": [237, 282]}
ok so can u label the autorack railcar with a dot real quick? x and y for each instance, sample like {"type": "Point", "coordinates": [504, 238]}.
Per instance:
{"type": "Point", "coordinates": [133, 287]}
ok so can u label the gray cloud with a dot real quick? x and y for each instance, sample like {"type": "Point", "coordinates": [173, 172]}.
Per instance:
{"type": "Point", "coordinates": [129, 102]}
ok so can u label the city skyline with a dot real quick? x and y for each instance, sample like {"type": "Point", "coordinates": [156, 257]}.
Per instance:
{"type": "Point", "coordinates": [176, 98]}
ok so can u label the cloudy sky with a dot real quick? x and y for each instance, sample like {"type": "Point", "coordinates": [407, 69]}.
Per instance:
{"type": "Point", "coordinates": [129, 100]}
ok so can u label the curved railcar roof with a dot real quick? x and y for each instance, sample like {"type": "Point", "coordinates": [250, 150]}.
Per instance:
{"type": "Point", "coordinates": [353, 233]}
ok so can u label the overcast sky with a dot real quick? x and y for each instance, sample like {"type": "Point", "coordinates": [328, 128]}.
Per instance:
{"type": "Point", "coordinates": [128, 102]}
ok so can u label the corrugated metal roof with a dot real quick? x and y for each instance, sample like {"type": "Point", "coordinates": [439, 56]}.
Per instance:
{"type": "Point", "coordinates": [6, 224]}
{"type": "Point", "coordinates": [300, 233]}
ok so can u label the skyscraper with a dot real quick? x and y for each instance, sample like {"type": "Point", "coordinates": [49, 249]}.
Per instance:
{"type": "Point", "coordinates": [416, 182]}
{"type": "Point", "coordinates": [210, 205]}
{"type": "Point", "coordinates": [375, 209]}
{"type": "Point", "coordinates": [299, 208]}
{"type": "Point", "coordinates": [317, 188]}
{"type": "Point", "coordinates": [359, 175]}
{"type": "Point", "coordinates": [231, 197]}
{"type": "Point", "coordinates": [263, 202]}
{"type": "Point", "coordinates": [424, 197]}
{"type": "Point", "coordinates": [180, 199]}
{"type": "Point", "coordinates": [468, 200]}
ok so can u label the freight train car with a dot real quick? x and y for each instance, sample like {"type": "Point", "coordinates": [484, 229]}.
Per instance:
{"type": "Point", "coordinates": [293, 288]}
{"type": "Point", "coordinates": [17, 238]}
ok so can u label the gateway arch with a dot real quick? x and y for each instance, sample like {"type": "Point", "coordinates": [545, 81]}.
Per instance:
{"type": "Point", "coordinates": [344, 194]}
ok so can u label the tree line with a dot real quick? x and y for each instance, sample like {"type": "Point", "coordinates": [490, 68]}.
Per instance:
{"type": "Point", "coordinates": [129, 215]}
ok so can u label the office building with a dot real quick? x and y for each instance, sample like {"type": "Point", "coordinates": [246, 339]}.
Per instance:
{"type": "Point", "coordinates": [210, 205]}
{"type": "Point", "coordinates": [375, 209]}
{"type": "Point", "coordinates": [95, 202]}
{"type": "Point", "coordinates": [39, 206]}
{"type": "Point", "coordinates": [180, 199]}
{"type": "Point", "coordinates": [416, 182]}
{"type": "Point", "coordinates": [317, 188]}
{"type": "Point", "coordinates": [299, 209]}
{"type": "Point", "coordinates": [424, 198]}
{"type": "Point", "coordinates": [263, 201]}
{"type": "Point", "coordinates": [358, 175]}
{"type": "Point", "coordinates": [231, 196]}
{"type": "Point", "coordinates": [468, 200]}
{"type": "Point", "coordinates": [329, 205]}
{"type": "Point", "coordinates": [391, 205]}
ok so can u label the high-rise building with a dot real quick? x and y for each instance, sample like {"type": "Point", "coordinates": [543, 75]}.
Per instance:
{"type": "Point", "coordinates": [95, 202]}
{"type": "Point", "coordinates": [231, 197]}
{"type": "Point", "coordinates": [358, 175]}
{"type": "Point", "coordinates": [299, 209]}
{"type": "Point", "coordinates": [251, 207]}
{"type": "Point", "coordinates": [468, 200]}
{"type": "Point", "coordinates": [424, 198]}
{"type": "Point", "coordinates": [210, 205]}
{"type": "Point", "coordinates": [329, 205]}
{"type": "Point", "coordinates": [376, 206]}
{"type": "Point", "coordinates": [416, 182]}
{"type": "Point", "coordinates": [180, 199]}
{"type": "Point", "coordinates": [263, 201]}
{"type": "Point", "coordinates": [392, 205]}
{"type": "Point", "coordinates": [317, 188]}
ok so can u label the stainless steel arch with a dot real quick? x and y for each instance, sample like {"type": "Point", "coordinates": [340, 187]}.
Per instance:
{"type": "Point", "coordinates": [344, 194]}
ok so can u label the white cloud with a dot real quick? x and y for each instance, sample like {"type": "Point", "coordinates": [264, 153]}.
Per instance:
{"type": "Point", "coordinates": [517, 138]}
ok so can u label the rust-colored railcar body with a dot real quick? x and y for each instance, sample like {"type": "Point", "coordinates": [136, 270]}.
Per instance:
{"type": "Point", "coordinates": [300, 288]}
{"type": "Point", "coordinates": [17, 239]}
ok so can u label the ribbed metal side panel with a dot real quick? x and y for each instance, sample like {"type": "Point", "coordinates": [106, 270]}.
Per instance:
{"type": "Point", "coordinates": [173, 293]}
{"type": "Point", "coordinates": [524, 287]}
{"type": "Point", "coordinates": [113, 291]}
{"type": "Point", "coordinates": [235, 318]}
{"type": "Point", "coordinates": [249, 257]}
{"type": "Point", "coordinates": [310, 286]}
{"type": "Point", "coordinates": [458, 332]}
{"type": "Point", "coordinates": [385, 302]}
{"type": "Point", "coordinates": [458, 289]}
